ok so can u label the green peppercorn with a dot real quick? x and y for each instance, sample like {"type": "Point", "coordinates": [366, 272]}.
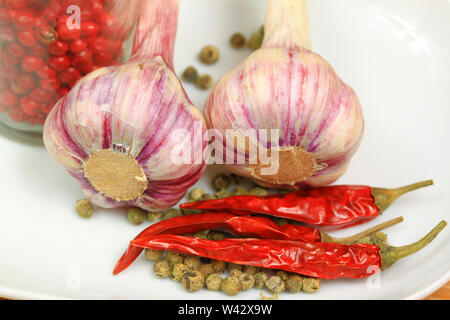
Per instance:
{"type": "Point", "coordinates": [235, 179]}
{"type": "Point", "coordinates": [190, 74]}
{"type": "Point", "coordinates": [192, 262]}
{"type": "Point", "coordinates": [204, 81]}
{"type": "Point", "coordinates": [207, 196]}
{"type": "Point", "coordinates": [275, 285]}
{"type": "Point", "coordinates": [188, 212]}
{"type": "Point", "coordinates": [239, 192]}
{"type": "Point", "coordinates": [219, 266]}
{"type": "Point", "coordinates": [206, 269]}
{"type": "Point", "coordinates": [153, 255]}
{"type": "Point", "coordinates": [171, 213]}
{"type": "Point", "coordinates": [256, 39]}
{"type": "Point", "coordinates": [136, 215]}
{"type": "Point", "coordinates": [154, 216]}
{"type": "Point", "coordinates": [193, 281]}
{"type": "Point", "coordinates": [163, 268]}
{"type": "Point", "coordinates": [215, 235]}
{"type": "Point", "coordinates": [214, 282]}
{"type": "Point", "coordinates": [222, 193]}
{"type": "Point", "coordinates": [236, 272]}
{"type": "Point", "coordinates": [200, 235]}
{"type": "Point", "coordinates": [209, 54]}
{"type": "Point", "coordinates": [280, 221]}
{"type": "Point", "coordinates": [179, 270]}
{"type": "Point", "coordinates": [196, 194]}
{"type": "Point", "coordinates": [283, 275]}
{"type": "Point", "coordinates": [257, 191]}
{"type": "Point", "coordinates": [237, 40]}
{"type": "Point", "coordinates": [251, 270]}
{"type": "Point", "coordinates": [294, 284]}
{"type": "Point", "coordinates": [247, 281]}
{"type": "Point", "coordinates": [232, 266]}
{"type": "Point", "coordinates": [221, 181]}
{"type": "Point", "coordinates": [84, 208]}
{"type": "Point", "coordinates": [231, 285]}
{"type": "Point", "coordinates": [173, 257]}
{"type": "Point", "coordinates": [260, 280]}
{"type": "Point", "coordinates": [311, 285]}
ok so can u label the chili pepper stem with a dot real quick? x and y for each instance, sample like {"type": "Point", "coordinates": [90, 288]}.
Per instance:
{"type": "Point", "coordinates": [390, 255]}
{"type": "Point", "coordinates": [355, 238]}
{"type": "Point", "coordinates": [384, 197]}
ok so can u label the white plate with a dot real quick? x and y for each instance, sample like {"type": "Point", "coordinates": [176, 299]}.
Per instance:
{"type": "Point", "coordinates": [395, 54]}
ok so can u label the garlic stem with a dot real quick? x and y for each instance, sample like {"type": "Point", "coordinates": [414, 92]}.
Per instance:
{"type": "Point", "coordinates": [287, 24]}
{"type": "Point", "coordinates": [156, 31]}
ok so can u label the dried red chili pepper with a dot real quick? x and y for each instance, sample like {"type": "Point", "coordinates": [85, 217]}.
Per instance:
{"type": "Point", "coordinates": [332, 207]}
{"type": "Point", "coordinates": [320, 260]}
{"type": "Point", "coordinates": [258, 227]}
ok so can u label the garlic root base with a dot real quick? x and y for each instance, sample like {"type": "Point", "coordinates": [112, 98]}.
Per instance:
{"type": "Point", "coordinates": [294, 165]}
{"type": "Point", "coordinates": [117, 176]}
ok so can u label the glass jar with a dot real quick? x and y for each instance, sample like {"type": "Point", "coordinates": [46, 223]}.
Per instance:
{"type": "Point", "coordinates": [46, 46]}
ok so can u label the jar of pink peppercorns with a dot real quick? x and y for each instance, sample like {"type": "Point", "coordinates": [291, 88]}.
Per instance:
{"type": "Point", "coordinates": [46, 46]}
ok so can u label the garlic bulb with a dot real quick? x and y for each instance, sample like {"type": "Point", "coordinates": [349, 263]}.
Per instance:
{"type": "Point", "coordinates": [284, 86]}
{"type": "Point", "coordinates": [113, 131]}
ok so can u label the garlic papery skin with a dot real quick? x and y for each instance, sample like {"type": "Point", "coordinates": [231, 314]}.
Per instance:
{"type": "Point", "coordinates": [113, 132]}
{"type": "Point", "coordinates": [287, 87]}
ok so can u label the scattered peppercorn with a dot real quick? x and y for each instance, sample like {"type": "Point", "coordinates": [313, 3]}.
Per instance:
{"type": "Point", "coordinates": [231, 285]}
{"type": "Point", "coordinates": [136, 215]}
{"type": "Point", "coordinates": [207, 196]}
{"type": "Point", "coordinates": [221, 181]}
{"type": "Point", "coordinates": [179, 270]}
{"type": "Point", "coordinates": [215, 235]}
{"type": "Point", "coordinates": [260, 280]}
{"type": "Point", "coordinates": [239, 192]}
{"type": "Point", "coordinates": [222, 193]}
{"type": "Point", "coordinates": [192, 261]}
{"type": "Point", "coordinates": [84, 208]}
{"type": "Point", "coordinates": [196, 194]}
{"type": "Point", "coordinates": [280, 221]}
{"type": "Point", "coordinates": [163, 268]}
{"type": "Point", "coordinates": [283, 275]}
{"type": "Point", "coordinates": [171, 213]}
{"type": "Point", "coordinates": [154, 216]}
{"type": "Point", "coordinates": [235, 179]}
{"type": "Point", "coordinates": [219, 266]}
{"type": "Point", "coordinates": [173, 257]}
{"type": "Point", "coordinates": [214, 282]}
{"type": "Point", "coordinates": [275, 284]}
{"type": "Point", "coordinates": [200, 235]}
{"type": "Point", "coordinates": [232, 266]}
{"type": "Point", "coordinates": [247, 281]}
{"type": "Point", "coordinates": [251, 270]}
{"type": "Point", "coordinates": [204, 81]}
{"type": "Point", "coordinates": [311, 285]}
{"type": "Point", "coordinates": [256, 39]}
{"type": "Point", "coordinates": [236, 272]}
{"type": "Point", "coordinates": [237, 40]}
{"type": "Point", "coordinates": [153, 255]}
{"type": "Point", "coordinates": [190, 74]}
{"type": "Point", "coordinates": [258, 192]}
{"type": "Point", "coordinates": [209, 54]}
{"type": "Point", "coordinates": [294, 284]}
{"type": "Point", "coordinates": [193, 281]}
{"type": "Point", "coordinates": [206, 269]}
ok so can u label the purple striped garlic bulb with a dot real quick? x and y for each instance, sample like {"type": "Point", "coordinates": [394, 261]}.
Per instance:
{"type": "Point", "coordinates": [113, 131]}
{"type": "Point", "coordinates": [286, 87]}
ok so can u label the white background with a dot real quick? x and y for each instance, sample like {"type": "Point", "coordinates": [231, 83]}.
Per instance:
{"type": "Point", "coordinates": [395, 54]}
